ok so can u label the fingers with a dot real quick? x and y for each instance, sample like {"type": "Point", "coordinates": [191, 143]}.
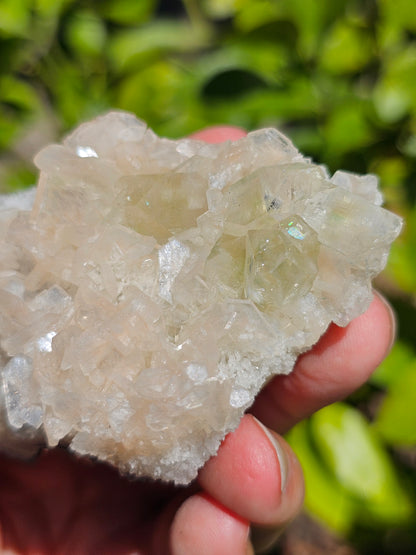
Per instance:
{"type": "Point", "coordinates": [219, 134]}
{"type": "Point", "coordinates": [256, 475]}
{"type": "Point", "coordinates": [204, 526]}
{"type": "Point", "coordinates": [339, 363]}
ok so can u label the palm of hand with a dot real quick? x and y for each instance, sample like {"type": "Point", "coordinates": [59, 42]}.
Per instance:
{"type": "Point", "coordinates": [58, 504]}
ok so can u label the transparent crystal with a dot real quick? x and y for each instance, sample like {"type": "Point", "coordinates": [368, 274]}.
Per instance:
{"type": "Point", "coordinates": [149, 288]}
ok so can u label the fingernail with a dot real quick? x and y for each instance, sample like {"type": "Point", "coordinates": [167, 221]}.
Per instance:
{"type": "Point", "coordinates": [280, 452]}
{"type": "Point", "coordinates": [393, 319]}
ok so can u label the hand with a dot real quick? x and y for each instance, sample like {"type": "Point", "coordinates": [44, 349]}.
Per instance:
{"type": "Point", "coordinates": [62, 505]}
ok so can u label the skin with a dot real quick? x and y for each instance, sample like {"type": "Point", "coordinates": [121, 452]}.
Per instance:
{"type": "Point", "coordinates": [61, 505]}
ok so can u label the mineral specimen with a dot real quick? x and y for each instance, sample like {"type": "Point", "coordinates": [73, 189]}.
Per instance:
{"type": "Point", "coordinates": [154, 286]}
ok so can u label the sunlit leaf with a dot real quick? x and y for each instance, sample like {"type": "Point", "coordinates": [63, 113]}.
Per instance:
{"type": "Point", "coordinates": [17, 178]}
{"type": "Point", "coordinates": [396, 418]}
{"type": "Point", "coordinates": [312, 18]}
{"type": "Point", "coordinates": [396, 16]}
{"type": "Point", "coordinates": [85, 33]}
{"type": "Point", "coordinates": [324, 497]}
{"type": "Point", "coordinates": [127, 12]}
{"type": "Point", "coordinates": [219, 8]}
{"type": "Point", "coordinates": [18, 101]}
{"type": "Point", "coordinates": [402, 261]}
{"type": "Point", "coordinates": [163, 95]}
{"type": "Point", "coordinates": [353, 453]}
{"type": "Point", "coordinates": [251, 15]}
{"type": "Point", "coordinates": [136, 45]}
{"type": "Point", "coordinates": [348, 128]}
{"type": "Point", "coordinates": [261, 58]}
{"type": "Point", "coordinates": [392, 171]}
{"type": "Point", "coordinates": [51, 8]}
{"type": "Point", "coordinates": [75, 98]}
{"type": "Point", "coordinates": [18, 93]}
{"type": "Point", "coordinates": [395, 94]}
{"type": "Point", "coordinates": [14, 17]}
{"type": "Point", "coordinates": [346, 49]}
{"type": "Point", "coordinates": [8, 129]}
{"type": "Point", "coordinates": [408, 147]}
{"type": "Point", "coordinates": [392, 369]}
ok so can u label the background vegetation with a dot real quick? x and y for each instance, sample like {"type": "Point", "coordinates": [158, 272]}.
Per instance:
{"type": "Point", "coordinates": [340, 79]}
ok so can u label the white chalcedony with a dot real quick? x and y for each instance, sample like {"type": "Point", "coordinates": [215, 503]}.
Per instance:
{"type": "Point", "coordinates": [149, 287]}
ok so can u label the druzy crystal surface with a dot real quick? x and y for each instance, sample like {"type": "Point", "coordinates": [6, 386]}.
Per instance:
{"type": "Point", "coordinates": [150, 287]}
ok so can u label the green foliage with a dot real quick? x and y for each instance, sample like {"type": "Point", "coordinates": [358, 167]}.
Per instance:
{"type": "Point", "coordinates": [396, 418]}
{"type": "Point", "coordinates": [14, 17]}
{"type": "Point", "coordinates": [350, 477]}
{"type": "Point", "coordinates": [85, 34]}
{"type": "Point", "coordinates": [339, 78]}
{"type": "Point", "coordinates": [354, 455]}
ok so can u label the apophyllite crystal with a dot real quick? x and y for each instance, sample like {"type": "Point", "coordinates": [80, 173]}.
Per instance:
{"type": "Point", "coordinates": [155, 285]}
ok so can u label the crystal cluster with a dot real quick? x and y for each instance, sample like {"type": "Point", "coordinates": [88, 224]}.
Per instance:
{"type": "Point", "coordinates": [150, 287]}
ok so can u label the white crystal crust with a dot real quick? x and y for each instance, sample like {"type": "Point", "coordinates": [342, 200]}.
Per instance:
{"type": "Point", "coordinates": [154, 286]}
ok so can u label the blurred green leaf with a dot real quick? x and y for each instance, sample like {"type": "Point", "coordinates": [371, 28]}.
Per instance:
{"type": "Point", "coordinates": [86, 33]}
{"type": "Point", "coordinates": [232, 83]}
{"type": "Point", "coordinates": [392, 171]}
{"type": "Point", "coordinates": [396, 418]}
{"type": "Point", "coordinates": [346, 49]}
{"type": "Point", "coordinates": [399, 12]}
{"type": "Point", "coordinates": [348, 128]}
{"type": "Point", "coordinates": [129, 48]}
{"type": "Point", "coordinates": [268, 107]}
{"type": "Point", "coordinates": [356, 457]}
{"type": "Point", "coordinates": [219, 8]}
{"type": "Point", "coordinates": [392, 369]}
{"type": "Point", "coordinates": [395, 93]}
{"type": "Point", "coordinates": [251, 15]}
{"type": "Point", "coordinates": [261, 58]}
{"type": "Point", "coordinates": [408, 146]}
{"type": "Point", "coordinates": [17, 178]}
{"type": "Point", "coordinates": [402, 261]}
{"type": "Point", "coordinates": [75, 98]}
{"type": "Point", "coordinates": [391, 101]}
{"type": "Point", "coordinates": [165, 96]}
{"type": "Point", "coordinates": [18, 93]}
{"type": "Point", "coordinates": [14, 17]}
{"type": "Point", "coordinates": [51, 8]}
{"type": "Point", "coordinates": [18, 101]}
{"type": "Point", "coordinates": [397, 16]}
{"type": "Point", "coordinates": [127, 12]}
{"type": "Point", "coordinates": [312, 19]}
{"type": "Point", "coordinates": [8, 130]}
{"type": "Point", "coordinates": [324, 497]}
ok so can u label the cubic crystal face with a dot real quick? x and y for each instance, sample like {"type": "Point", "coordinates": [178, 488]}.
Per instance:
{"type": "Point", "coordinates": [154, 287]}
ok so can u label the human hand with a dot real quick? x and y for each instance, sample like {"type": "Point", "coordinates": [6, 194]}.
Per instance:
{"type": "Point", "coordinates": [62, 505]}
